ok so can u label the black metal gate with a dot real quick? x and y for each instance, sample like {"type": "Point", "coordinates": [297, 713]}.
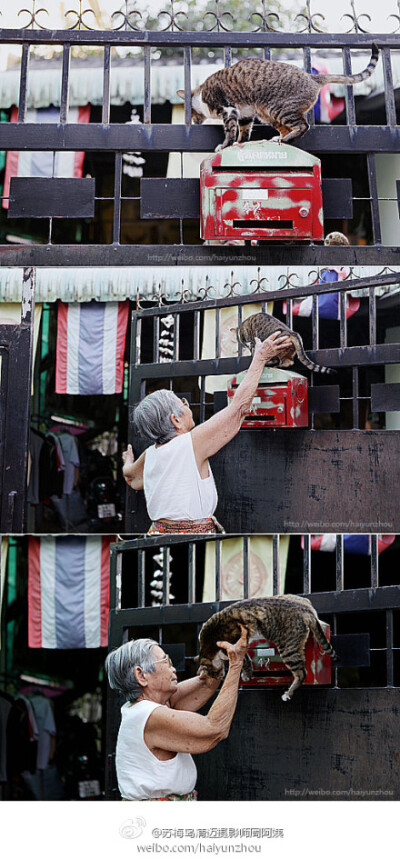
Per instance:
{"type": "Point", "coordinates": [318, 479]}
{"type": "Point", "coordinates": [326, 739]}
{"type": "Point", "coordinates": [16, 345]}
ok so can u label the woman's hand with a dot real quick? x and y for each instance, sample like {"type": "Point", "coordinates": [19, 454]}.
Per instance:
{"type": "Point", "coordinates": [128, 460]}
{"type": "Point", "coordinates": [133, 470]}
{"type": "Point", "coordinates": [269, 348]}
{"type": "Point", "coordinates": [236, 652]}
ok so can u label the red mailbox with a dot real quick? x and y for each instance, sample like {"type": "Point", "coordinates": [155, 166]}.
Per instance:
{"type": "Point", "coordinates": [281, 400]}
{"type": "Point", "coordinates": [261, 190]}
{"type": "Point", "coordinates": [269, 670]}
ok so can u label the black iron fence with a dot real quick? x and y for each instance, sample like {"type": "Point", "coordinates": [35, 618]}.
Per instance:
{"type": "Point", "coordinates": [357, 139]}
{"type": "Point", "coordinates": [359, 599]}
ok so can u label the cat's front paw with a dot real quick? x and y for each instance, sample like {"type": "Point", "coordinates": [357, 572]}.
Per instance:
{"type": "Point", "coordinates": [285, 697]}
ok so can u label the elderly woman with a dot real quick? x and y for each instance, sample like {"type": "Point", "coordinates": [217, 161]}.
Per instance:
{"type": "Point", "coordinates": [160, 728]}
{"type": "Point", "coordinates": [174, 471]}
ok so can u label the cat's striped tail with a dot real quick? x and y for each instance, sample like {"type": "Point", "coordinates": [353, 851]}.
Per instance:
{"type": "Point", "coordinates": [351, 79]}
{"type": "Point", "coordinates": [295, 336]}
{"type": "Point", "coordinates": [321, 638]}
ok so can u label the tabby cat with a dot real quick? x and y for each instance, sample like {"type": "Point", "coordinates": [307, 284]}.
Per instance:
{"type": "Point", "coordinates": [284, 620]}
{"type": "Point", "coordinates": [278, 94]}
{"type": "Point", "coordinates": [262, 325]}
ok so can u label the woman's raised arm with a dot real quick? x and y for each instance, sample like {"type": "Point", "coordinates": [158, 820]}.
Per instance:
{"type": "Point", "coordinates": [133, 470]}
{"type": "Point", "coordinates": [213, 434]}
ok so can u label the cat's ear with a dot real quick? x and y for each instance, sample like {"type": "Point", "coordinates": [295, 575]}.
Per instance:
{"type": "Point", "coordinates": [181, 93]}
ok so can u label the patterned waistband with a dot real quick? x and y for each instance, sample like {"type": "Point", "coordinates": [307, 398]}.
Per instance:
{"type": "Point", "coordinates": [173, 797]}
{"type": "Point", "coordinates": [185, 526]}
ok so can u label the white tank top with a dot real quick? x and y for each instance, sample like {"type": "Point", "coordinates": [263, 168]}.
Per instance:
{"type": "Point", "coordinates": [172, 484]}
{"type": "Point", "coordinates": [140, 774]}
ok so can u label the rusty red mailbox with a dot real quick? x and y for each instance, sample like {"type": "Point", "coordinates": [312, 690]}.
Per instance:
{"type": "Point", "coordinates": [281, 400]}
{"type": "Point", "coordinates": [270, 670]}
{"type": "Point", "coordinates": [261, 190]}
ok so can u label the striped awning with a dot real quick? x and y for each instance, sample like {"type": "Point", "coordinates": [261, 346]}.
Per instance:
{"type": "Point", "coordinates": [116, 284]}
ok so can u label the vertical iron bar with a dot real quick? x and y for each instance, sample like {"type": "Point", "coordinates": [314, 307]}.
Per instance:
{"type": "Point", "coordinates": [372, 316]}
{"type": "Point", "coordinates": [289, 313]}
{"type": "Point", "coordinates": [275, 564]}
{"type": "Point", "coordinates": [390, 104]}
{"type": "Point", "coordinates": [307, 564]}
{"type": "Point", "coordinates": [374, 561]}
{"type": "Point", "coordinates": [335, 669]}
{"type": "Point", "coordinates": [267, 53]}
{"type": "Point", "coordinates": [202, 399]}
{"type": "Point", "coordinates": [187, 59]}
{"type": "Point", "coordinates": [349, 97]}
{"type": "Point", "coordinates": [339, 562]}
{"type": "Point", "coordinates": [118, 582]}
{"type": "Point", "coordinates": [343, 320]}
{"type": "Point", "coordinates": [315, 322]}
{"type": "Point", "coordinates": [218, 570]}
{"type": "Point", "coordinates": [356, 417]}
{"type": "Point", "coordinates": [245, 568]}
{"type": "Point", "coordinates": [177, 320]}
{"type": "Point", "coordinates": [192, 574]}
{"type": "Point", "coordinates": [117, 198]}
{"type": "Point", "coordinates": [196, 336]}
{"type": "Point", "coordinates": [165, 571]}
{"type": "Point", "coordinates": [217, 332]}
{"type": "Point", "coordinates": [240, 320]}
{"type": "Point", "coordinates": [373, 193]}
{"type": "Point", "coordinates": [389, 648]}
{"type": "Point", "coordinates": [227, 56]}
{"type": "Point", "coordinates": [105, 115]}
{"type": "Point", "coordinates": [308, 68]}
{"type": "Point", "coordinates": [141, 578]}
{"type": "Point", "coordinates": [147, 85]}
{"type": "Point", "coordinates": [156, 339]}
{"type": "Point", "coordinates": [66, 64]}
{"type": "Point", "coordinates": [23, 83]}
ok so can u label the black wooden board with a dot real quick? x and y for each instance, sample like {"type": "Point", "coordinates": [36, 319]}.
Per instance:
{"type": "Point", "coordinates": [385, 397]}
{"type": "Point", "coordinates": [51, 198]}
{"type": "Point", "coordinates": [301, 481]}
{"type": "Point", "coordinates": [325, 744]}
{"type": "Point", "coordinates": [180, 198]}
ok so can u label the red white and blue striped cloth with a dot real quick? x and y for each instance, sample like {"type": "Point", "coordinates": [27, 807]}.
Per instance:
{"type": "Point", "coordinates": [68, 591]}
{"type": "Point", "coordinates": [355, 544]}
{"type": "Point", "coordinates": [90, 347]}
{"type": "Point", "coordinates": [67, 164]}
{"type": "Point", "coordinates": [329, 304]}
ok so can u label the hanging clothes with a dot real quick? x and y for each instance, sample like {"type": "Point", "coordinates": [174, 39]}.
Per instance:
{"type": "Point", "coordinates": [5, 710]}
{"type": "Point", "coordinates": [70, 452]}
{"type": "Point", "coordinates": [36, 441]}
{"type": "Point", "coordinates": [46, 728]}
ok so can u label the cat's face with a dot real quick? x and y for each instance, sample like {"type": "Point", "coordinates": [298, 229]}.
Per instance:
{"type": "Point", "coordinates": [200, 111]}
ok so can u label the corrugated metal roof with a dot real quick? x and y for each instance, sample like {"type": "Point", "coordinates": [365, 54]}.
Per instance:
{"type": "Point", "coordinates": [114, 284]}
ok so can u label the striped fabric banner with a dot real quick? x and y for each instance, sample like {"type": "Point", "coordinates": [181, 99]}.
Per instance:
{"type": "Point", "coordinates": [354, 544]}
{"type": "Point", "coordinates": [90, 347]}
{"type": "Point", "coordinates": [329, 304]}
{"type": "Point", "coordinates": [66, 165]}
{"type": "Point", "coordinates": [68, 591]}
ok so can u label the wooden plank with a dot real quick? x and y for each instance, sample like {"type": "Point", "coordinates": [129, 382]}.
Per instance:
{"type": "Point", "coordinates": [170, 198]}
{"type": "Point", "coordinates": [180, 198]}
{"type": "Point", "coordinates": [300, 481]}
{"type": "Point", "coordinates": [324, 740]}
{"type": "Point", "coordinates": [385, 397]}
{"type": "Point", "coordinates": [51, 198]}
{"type": "Point", "coordinates": [337, 198]}
{"type": "Point", "coordinates": [292, 480]}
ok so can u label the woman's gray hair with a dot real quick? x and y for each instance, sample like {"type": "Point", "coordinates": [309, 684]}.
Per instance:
{"type": "Point", "coordinates": [121, 662]}
{"type": "Point", "coordinates": [152, 416]}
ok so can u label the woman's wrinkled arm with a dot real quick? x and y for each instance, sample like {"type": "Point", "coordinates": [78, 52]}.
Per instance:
{"type": "Point", "coordinates": [213, 434]}
{"type": "Point", "coordinates": [192, 694]}
{"type": "Point", "coordinates": [133, 469]}
{"type": "Point", "coordinates": [183, 731]}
